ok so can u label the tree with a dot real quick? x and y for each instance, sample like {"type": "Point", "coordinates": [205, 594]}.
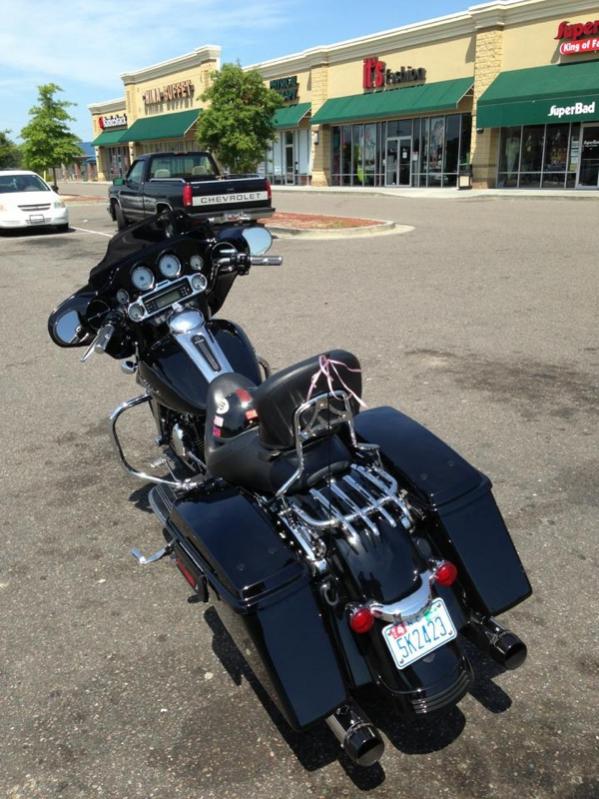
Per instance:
{"type": "Point", "coordinates": [238, 125]}
{"type": "Point", "coordinates": [47, 140]}
{"type": "Point", "coordinates": [10, 155]}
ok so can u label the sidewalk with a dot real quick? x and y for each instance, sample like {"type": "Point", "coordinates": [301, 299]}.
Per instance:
{"type": "Point", "coordinates": [99, 189]}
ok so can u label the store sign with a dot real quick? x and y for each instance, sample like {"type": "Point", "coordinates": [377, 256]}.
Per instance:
{"type": "Point", "coordinates": [571, 37]}
{"type": "Point", "coordinates": [173, 91]}
{"type": "Point", "coordinates": [375, 74]}
{"type": "Point", "coordinates": [115, 121]}
{"type": "Point", "coordinates": [288, 88]}
{"type": "Point", "coordinates": [577, 109]}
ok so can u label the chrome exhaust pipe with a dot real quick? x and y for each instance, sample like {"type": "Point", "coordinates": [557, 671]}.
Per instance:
{"type": "Point", "coordinates": [356, 734]}
{"type": "Point", "coordinates": [500, 643]}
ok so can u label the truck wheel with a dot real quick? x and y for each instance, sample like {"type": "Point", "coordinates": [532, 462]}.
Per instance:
{"type": "Point", "coordinates": [121, 219]}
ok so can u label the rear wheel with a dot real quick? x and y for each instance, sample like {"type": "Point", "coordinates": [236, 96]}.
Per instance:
{"type": "Point", "coordinates": [119, 216]}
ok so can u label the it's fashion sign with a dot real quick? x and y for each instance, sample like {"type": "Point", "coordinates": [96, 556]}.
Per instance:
{"type": "Point", "coordinates": [578, 38]}
{"type": "Point", "coordinates": [375, 74]}
{"type": "Point", "coordinates": [114, 121]}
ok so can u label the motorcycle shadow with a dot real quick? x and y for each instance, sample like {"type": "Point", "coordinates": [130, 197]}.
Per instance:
{"type": "Point", "coordinates": [314, 748]}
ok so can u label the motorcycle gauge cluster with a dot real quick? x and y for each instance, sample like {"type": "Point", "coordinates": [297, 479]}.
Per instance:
{"type": "Point", "coordinates": [142, 278]}
{"type": "Point", "coordinates": [122, 297]}
{"type": "Point", "coordinates": [169, 265]}
{"type": "Point", "coordinates": [196, 262]}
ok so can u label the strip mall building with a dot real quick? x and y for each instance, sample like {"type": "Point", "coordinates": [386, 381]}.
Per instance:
{"type": "Point", "coordinates": [508, 90]}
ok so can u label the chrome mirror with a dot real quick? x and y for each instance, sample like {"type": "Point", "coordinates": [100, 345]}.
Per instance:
{"type": "Point", "coordinates": [66, 328]}
{"type": "Point", "coordinates": [65, 323]}
{"type": "Point", "coordinates": [259, 240]}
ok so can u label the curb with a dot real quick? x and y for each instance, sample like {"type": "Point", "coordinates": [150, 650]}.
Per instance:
{"type": "Point", "coordinates": [383, 228]}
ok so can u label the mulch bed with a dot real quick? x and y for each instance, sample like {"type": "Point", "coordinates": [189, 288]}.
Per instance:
{"type": "Point", "coordinates": [316, 221]}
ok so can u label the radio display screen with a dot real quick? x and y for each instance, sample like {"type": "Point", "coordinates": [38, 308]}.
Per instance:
{"type": "Point", "coordinates": [159, 301]}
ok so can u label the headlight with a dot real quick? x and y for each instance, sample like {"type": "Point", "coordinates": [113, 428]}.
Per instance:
{"type": "Point", "coordinates": [58, 204]}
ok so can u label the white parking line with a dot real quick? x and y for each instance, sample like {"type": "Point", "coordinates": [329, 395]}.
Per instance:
{"type": "Point", "coordinates": [96, 232]}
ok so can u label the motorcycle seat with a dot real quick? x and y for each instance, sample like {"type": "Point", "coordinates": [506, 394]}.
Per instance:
{"type": "Point", "coordinates": [262, 457]}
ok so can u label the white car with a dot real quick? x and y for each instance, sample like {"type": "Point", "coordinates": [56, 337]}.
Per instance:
{"type": "Point", "coordinates": [27, 201]}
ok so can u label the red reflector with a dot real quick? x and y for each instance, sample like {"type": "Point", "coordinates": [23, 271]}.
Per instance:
{"type": "Point", "coordinates": [268, 190]}
{"type": "Point", "coordinates": [361, 620]}
{"type": "Point", "coordinates": [187, 195]}
{"type": "Point", "coordinates": [446, 573]}
{"type": "Point", "coordinates": [186, 573]}
{"type": "Point", "coordinates": [251, 414]}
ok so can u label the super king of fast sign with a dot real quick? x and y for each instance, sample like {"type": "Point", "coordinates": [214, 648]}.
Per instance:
{"type": "Point", "coordinates": [571, 37]}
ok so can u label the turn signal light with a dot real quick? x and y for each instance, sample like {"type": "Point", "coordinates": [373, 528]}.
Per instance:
{"type": "Point", "coordinates": [361, 620]}
{"type": "Point", "coordinates": [445, 573]}
{"type": "Point", "coordinates": [268, 190]}
{"type": "Point", "coordinates": [187, 195]}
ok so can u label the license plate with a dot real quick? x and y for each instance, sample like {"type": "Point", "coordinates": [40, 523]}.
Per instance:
{"type": "Point", "coordinates": [410, 641]}
{"type": "Point", "coordinates": [36, 219]}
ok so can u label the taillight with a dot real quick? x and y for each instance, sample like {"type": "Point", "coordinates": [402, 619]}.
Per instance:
{"type": "Point", "coordinates": [187, 195]}
{"type": "Point", "coordinates": [268, 190]}
{"type": "Point", "coordinates": [361, 620]}
{"type": "Point", "coordinates": [186, 573]}
{"type": "Point", "coordinates": [445, 574]}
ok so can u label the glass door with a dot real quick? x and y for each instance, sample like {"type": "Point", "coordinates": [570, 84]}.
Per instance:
{"type": "Point", "coordinates": [392, 162]}
{"type": "Point", "coordinates": [289, 158]}
{"type": "Point", "coordinates": [405, 161]}
{"type": "Point", "coordinates": [588, 175]}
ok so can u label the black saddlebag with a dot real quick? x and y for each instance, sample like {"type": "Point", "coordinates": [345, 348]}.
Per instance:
{"type": "Point", "coordinates": [267, 602]}
{"type": "Point", "coordinates": [469, 529]}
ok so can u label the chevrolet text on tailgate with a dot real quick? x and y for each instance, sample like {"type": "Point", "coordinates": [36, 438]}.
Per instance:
{"type": "Point", "coordinates": [189, 181]}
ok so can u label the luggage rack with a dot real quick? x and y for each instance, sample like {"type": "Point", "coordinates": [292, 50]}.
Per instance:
{"type": "Point", "coordinates": [353, 501]}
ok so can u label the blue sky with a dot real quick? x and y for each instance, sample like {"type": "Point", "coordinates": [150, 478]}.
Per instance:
{"type": "Point", "coordinates": [84, 46]}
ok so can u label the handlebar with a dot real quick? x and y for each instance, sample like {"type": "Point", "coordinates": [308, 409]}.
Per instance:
{"type": "Point", "coordinates": [242, 262]}
{"type": "Point", "coordinates": [101, 341]}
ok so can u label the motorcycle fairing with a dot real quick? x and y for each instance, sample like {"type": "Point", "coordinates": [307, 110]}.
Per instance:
{"type": "Point", "coordinates": [469, 529]}
{"type": "Point", "coordinates": [267, 601]}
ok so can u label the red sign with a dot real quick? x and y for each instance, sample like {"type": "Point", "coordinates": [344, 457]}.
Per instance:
{"type": "Point", "coordinates": [577, 29]}
{"type": "Point", "coordinates": [375, 74]}
{"type": "Point", "coordinates": [578, 48]}
{"type": "Point", "coordinates": [116, 121]}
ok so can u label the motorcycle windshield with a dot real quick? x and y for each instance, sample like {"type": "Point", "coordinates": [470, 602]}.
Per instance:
{"type": "Point", "coordinates": [135, 239]}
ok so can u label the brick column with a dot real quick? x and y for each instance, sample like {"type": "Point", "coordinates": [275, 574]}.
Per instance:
{"type": "Point", "coordinates": [487, 65]}
{"type": "Point", "coordinates": [321, 152]}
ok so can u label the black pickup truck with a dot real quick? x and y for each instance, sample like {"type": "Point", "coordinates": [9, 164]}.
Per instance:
{"type": "Point", "coordinates": [187, 181]}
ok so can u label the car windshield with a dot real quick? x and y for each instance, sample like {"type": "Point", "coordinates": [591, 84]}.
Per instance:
{"type": "Point", "coordinates": [10, 184]}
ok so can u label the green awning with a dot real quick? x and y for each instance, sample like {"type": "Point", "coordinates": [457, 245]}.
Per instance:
{"type": "Point", "coordinates": [108, 137]}
{"type": "Point", "coordinates": [557, 93]}
{"type": "Point", "coordinates": [162, 126]}
{"type": "Point", "coordinates": [394, 102]}
{"type": "Point", "coordinates": [291, 116]}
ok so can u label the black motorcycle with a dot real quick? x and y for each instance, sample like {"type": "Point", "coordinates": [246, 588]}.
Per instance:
{"type": "Point", "coordinates": [341, 547]}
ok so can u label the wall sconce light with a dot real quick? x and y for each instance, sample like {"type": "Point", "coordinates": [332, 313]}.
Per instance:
{"type": "Point", "coordinates": [480, 130]}
{"type": "Point", "coordinates": [316, 137]}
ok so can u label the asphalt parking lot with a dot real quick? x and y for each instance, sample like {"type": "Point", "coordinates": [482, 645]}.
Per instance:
{"type": "Point", "coordinates": [482, 324]}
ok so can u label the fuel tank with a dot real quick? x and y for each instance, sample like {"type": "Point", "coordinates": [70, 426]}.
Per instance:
{"type": "Point", "coordinates": [170, 375]}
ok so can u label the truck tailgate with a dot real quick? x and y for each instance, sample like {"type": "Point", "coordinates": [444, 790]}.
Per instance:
{"type": "Point", "coordinates": [231, 194]}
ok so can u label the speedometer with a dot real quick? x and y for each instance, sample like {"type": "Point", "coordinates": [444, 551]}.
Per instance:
{"type": "Point", "coordinates": [169, 265]}
{"type": "Point", "coordinates": [142, 278]}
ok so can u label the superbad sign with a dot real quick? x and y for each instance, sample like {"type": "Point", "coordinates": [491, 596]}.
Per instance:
{"type": "Point", "coordinates": [577, 109]}
{"type": "Point", "coordinates": [571, 37]}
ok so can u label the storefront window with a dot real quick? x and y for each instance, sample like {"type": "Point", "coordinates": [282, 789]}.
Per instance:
{"type": "Point", "coordinates": [531, 160]}
{"type": "Point", "coordinates": [400, 152]}
{"type": "Point", "coordinates": [435, 151]}
{"type": "Point", "coordinates": [509, 157]}
{"type": "Point", "coordinates": [346, 162]}
{"type": "Point", "coordinates": [547, 156]}
{"type": "Point", "coordinates": [452, 149]}
{"type": "Point", "coordinates": [556, 156]}
{"type": "Point", "coordinates": [369, 154]}
{"type": "Point", "coordinates": [357, 167]}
